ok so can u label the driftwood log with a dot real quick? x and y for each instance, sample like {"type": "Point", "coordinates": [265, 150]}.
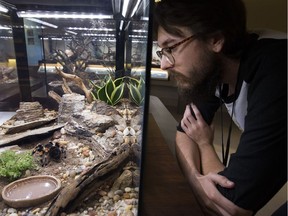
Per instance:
{"type": "Point", "coordinates": [78, 81]}
{"type": "Point", "coordinates": [108, 170]}
{"type": "Point", "coordinates": [55, 96]}
{"type": "Point", "coordinates": [7, 139]}
{"type": "Point", "coordinates": [10, 129]}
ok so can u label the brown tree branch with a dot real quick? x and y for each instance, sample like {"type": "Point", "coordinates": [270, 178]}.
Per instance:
{"type": "Point", "coordinates": [70, 197]}
{"type": "Point", "coordinates": [55, 96]}
{"type": "Point", "coordinates": [65, 87]}
{"type": "Point", "coordinates": [78, 81]}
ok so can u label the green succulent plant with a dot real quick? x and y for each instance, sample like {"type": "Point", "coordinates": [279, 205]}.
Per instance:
{"type": "Point", "coordinates": [110, 91]}
{"type": "Point", "coordinates": [137, 90]}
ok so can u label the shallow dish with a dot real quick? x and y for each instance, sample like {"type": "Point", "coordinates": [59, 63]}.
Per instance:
{"type": "Point", "coordinates": [31, 191]}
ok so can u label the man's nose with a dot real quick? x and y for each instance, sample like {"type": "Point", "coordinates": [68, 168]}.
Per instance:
{"type": "Point", "coordinates": [165, 63]}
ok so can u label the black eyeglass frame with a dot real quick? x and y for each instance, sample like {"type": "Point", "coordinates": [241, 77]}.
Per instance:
{"type": "Point", "coordinates": [169, 49]}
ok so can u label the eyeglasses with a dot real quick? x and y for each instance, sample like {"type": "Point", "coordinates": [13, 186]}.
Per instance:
{"type": "Point", "coordinates": [167, 51]}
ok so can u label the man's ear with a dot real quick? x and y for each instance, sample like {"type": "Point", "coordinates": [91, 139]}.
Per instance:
{"type": "Point", "coordinates": [217, 42]}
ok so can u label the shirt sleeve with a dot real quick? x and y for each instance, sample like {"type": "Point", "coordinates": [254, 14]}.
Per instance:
{"type": "Point", "coordinates": [259, 166]}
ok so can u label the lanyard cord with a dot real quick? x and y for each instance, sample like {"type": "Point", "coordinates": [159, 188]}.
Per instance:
{"type": "Point", "coordinates": [222, 135]}
{"type": "Point", "coordinates": [225, 158]}
{"type": "Point", "coordinates": [225, 154]}
{"type": "Point", "coordinates": [225, 151]}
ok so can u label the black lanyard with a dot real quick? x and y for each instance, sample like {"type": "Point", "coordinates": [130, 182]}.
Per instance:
{"type": "Point", "coordinates": [225, 152]}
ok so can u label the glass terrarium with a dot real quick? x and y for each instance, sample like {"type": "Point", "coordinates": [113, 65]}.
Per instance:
{"type": "Point", "coordinates": [82, 69]}
{"type": "Point", "coordinates": [9, 94]}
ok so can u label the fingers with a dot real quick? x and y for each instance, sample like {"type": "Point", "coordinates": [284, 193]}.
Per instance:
{"type": "Point", "coordinates": [189, 115]}
{"type": "Point", "coordinates": [225, 206]}
{"type": "Point", "coordinates": [197, 113]}
{"type": "Point", "coordinates": [208, 183]}
{"type": "Point", "coordinates": [221, 180]}
{"type": "Point", "coordinates": [187, 119]}
{"type": "Point", "coordinates": [186, 112]}
{"type": "Point", "coordinates": [192, 122]}
{"type": "Point", "coordinates": [184, 121]}
{"type": "Point", "coordinates": [192, 116]}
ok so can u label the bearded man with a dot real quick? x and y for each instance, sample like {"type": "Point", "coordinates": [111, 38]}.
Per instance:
{"type": "Point", "coordinates": [204, 44]}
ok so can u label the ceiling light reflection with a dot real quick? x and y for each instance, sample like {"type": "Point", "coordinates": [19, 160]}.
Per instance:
{"type": "Point", "coordinates": [90, 29]}
{"type": "Point", "coordinates": [125, 7]}
{"type": "Point", "coordinates": [98, 35]}
{"type": "Point", "coordinates": [71, 32]}
{"type": "Point", "coordinates": [5, 27]}
{"type": "Point", "coordinates": [3, 9]}
{"type": "Point", "coordinates": [42, 22]}
{"type": "Point", "coordinates": [135, 8]}
{"type": "Point", "coordinates": [61, 15]}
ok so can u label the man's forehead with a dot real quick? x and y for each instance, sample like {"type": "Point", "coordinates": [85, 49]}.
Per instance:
{"type": "Point", "coordinates": [164, 38]}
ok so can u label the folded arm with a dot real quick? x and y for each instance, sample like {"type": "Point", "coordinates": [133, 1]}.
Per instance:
{"type": "Point", "coordinates": [204, 186]}
{"type": "Point", "coordinates": [200, 164]}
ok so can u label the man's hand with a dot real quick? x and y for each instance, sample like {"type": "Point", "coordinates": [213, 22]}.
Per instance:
{"type": "Point", "coordinates": [196, 127]}
{"type": "Point", "coordinates": [202, 135]}
{"type": "Point", "coordinates": [198, 139]}
{"type": "Point", "coordinates": [208, 185]}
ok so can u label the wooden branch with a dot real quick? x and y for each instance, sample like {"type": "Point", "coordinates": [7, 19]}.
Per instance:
{"type": "Point", "coordinates": [75, 193]}
{"type": "Point", "coordinates": [78, 81]}
{"type": "Point", "coordinates": [66, 89]}
{"type": "Point", "coordinates": [55, 96]}
{"type": "Point", "coordinates": [7, 139]}
{"type": "Point", "coordinates": [13, 129]}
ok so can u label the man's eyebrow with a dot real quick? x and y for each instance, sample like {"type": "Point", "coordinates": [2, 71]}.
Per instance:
{"type": "Point", "coordinates": [168, 41]}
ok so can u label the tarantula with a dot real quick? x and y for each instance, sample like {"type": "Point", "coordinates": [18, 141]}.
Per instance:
{"type": "Point", "coordinates": [49, 151]}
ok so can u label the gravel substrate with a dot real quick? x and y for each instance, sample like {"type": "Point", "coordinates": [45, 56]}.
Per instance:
{"type": "Point", "coordinates": [110, 203]}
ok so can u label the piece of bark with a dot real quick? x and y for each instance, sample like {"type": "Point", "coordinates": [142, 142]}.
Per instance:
{"type": "Point", "coordinates": [55, 96]}
{"type": "Point", "coordinates": [7, 139]}
{"type": "Point", "coordinates": [75, 193]}
{"type": "Point", "coordinates": [29, 111]}
{"type": "Point", "coordinates": [11, 129]}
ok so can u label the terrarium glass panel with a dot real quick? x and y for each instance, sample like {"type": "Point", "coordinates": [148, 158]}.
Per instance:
{"type": "Point", "coordinates": [84, 122]}
{"type": "Point", "coordinates": [9, 94]}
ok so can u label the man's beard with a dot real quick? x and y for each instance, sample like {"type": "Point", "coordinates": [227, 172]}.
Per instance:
{"type": "Point", "coordinates": [203, 81]}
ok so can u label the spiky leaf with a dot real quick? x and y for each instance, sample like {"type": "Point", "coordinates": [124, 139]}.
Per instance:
{"type": "Point", "coordinates": [117, 94]}
{"type": "Point", "coordinates": [109, 87]}
{"type": "Point", "coordinates": [94, 86]}
{"type": "Point", "coordinates": [94, 95]}
{"type": "Point", "coordinates": [135, 94]}
{"type": "Point", "coordinates": [141, 87]}
{"type": "Point", "coordinates": [102, 94]}
{"type": "Point", "coordinates": [118, 81]}
{"type": "Point", "coordinates": [134, 81]}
